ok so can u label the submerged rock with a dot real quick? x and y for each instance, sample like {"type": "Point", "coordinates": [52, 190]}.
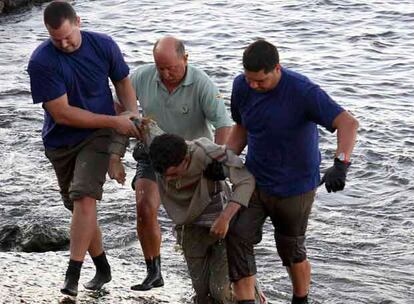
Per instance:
{"type": "Point", "coordinates": [33, 237]}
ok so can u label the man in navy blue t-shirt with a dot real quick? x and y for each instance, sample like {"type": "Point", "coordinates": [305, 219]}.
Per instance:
{"type": "Point", "coordinates": [276, 113]}
{"type": "Point", "coordinates": [69, 75]}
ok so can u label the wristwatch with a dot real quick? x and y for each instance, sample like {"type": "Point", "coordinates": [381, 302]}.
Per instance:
{"type": "Point", "coordinates": [341, 157]}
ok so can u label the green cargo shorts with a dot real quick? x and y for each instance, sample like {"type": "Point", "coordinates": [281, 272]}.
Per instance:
{"type": "Point", "coordinates": [81, 169]}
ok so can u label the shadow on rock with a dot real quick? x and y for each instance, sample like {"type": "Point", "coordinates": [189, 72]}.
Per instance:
{"type": "Point", "coordinates": [33, 238]}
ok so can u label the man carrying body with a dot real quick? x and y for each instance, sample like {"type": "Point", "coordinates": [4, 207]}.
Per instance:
{"type": "Point", "coordinates": [183, 101]}
{"type": "Point", "coordinates": [276, 113]}
{"type": "Point", "coordinates": [69, 76]}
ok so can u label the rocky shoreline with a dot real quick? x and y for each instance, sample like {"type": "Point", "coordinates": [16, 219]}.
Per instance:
{"type": "Point", "coordinates": [7, 6]}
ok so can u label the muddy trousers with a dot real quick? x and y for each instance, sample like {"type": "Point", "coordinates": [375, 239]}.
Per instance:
{"type": "Point", "coordinates": [207, 264]}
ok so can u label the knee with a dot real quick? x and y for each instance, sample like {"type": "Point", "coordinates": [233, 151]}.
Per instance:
{"type": "Point", "coordinates": [85, 205]}
{"type": "Point", "coordinates": [291, 249]}
{"type": "Point", "coordinates": [147, 211]}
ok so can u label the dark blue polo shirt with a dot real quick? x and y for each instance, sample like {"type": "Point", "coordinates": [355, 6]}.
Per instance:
{"type": "Point", "coordinates": [82, 75]}
{"type": "Point", "coordinates": [283, 145]}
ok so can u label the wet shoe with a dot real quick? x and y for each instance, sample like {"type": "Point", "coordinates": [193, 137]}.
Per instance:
{"type": "Point", "coordinates": [103, 273]}
{"type": "Point", "coordinates": [299, 300]}
{"type": "Point", "coordinates": [154, 277]}
{"type": "Point", "coordinates": [70, 286]}
{"type": "Point", "coordinates": [99, 280]}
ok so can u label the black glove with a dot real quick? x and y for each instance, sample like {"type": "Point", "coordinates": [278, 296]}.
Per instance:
{"type": "Point", "coordinates": [335, 176]}
{"type": "Point", "coordinates": [214, 171]}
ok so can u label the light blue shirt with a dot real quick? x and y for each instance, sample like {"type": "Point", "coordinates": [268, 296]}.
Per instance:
{"type": "Point", "coordinates": [190, 111]}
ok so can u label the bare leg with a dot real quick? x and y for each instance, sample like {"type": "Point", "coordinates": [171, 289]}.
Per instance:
{"type": "Point", "coordinates": [300, 274]}
{"type": "Point", "coordinates": [244, 288]}
{"type": "Point", "coordinates": [95, 247]}
{"type": "Point", "coordinates": [148, 228]}
{"type": "Point", "coordinates": [83, 227]}
{"type": "Point", "coordinates": [149, 232]}
{"type": "Point", "coordinates": [82, 230]}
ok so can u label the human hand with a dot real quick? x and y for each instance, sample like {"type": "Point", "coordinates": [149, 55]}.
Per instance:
{"type": "Point", "coordinates": [334, 178]}
{"type": "Point", "coordinates": [126, 126]}
{"type": "Point", "coordinates": [116, 169]}
{"type": "Point", "coordinates": [262, 297]}
{"type": "Point", "coordinates": [220, 227]}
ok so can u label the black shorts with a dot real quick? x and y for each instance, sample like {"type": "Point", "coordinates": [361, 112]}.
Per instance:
{"type": "Point", "coordinates": [289, 216]}
{"type": "Point", "coordinates": [144, 167]}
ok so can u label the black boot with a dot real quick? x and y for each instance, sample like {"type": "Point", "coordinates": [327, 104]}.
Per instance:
{"type": "Point", "coordinates": [154, 277]}
{"type": "Point", "coordinates": [300, 300]}
{"type": "Point", "coordinates": [70, 287]}
{"type": "Point", "coordinates": [102, 275]}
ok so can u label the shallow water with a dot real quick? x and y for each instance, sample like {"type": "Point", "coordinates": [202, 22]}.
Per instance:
{"type": "Point", "coordinates": [360, 241]}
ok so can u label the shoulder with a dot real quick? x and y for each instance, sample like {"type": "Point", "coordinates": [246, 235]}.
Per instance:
{"type": "Point", "coordinates": [198, 76]}
{"type": "Point", "coordinates": [199, 156]}
{"type": "Point", "coordinates": [240, 88]}
{"type": "Point", "coordinates": [240, 82]}
{"type": "Point", "coordinates": [143, 74]}
{"type": "Point", "coordinates": [45, 55]}
{"type": "Point", "coordinates": [145, 70]}
{"type": "Point", "coordinates": [211, 149]}
{"type": "Point", "coordinates": [298, 82]}
{"type": "Point", "coordinates": [98, 37]}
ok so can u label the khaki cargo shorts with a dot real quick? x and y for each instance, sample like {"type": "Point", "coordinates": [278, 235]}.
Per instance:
{"type": "Point", "coordinates": [81, 169]}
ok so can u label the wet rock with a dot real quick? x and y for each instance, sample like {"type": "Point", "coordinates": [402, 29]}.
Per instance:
{"type": "Point", "coordinates": [33, 237]}
{"type": "Point", "coordinates": [7, 6]}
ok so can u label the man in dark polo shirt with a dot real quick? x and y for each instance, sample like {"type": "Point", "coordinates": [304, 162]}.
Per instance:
{"type": "Point", "coordinates": [276, 113]}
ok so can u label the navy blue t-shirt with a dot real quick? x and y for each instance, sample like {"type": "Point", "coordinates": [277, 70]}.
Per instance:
{"type": "Point", "coordinates": [282, 135]}
{"type": "Point", "coordinates": [82, 75]}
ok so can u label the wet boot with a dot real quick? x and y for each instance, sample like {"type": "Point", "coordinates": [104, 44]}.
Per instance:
{"type": "Point", "coordinates": [70, 286]}
{"type": "Point", "coordinates": [154, 277]}
{"type": "Point", "coordinates": [300, 300]}
{"type": "Point", "coordinates": [102, 275]}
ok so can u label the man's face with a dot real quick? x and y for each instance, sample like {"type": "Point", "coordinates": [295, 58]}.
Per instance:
{"type": "Point", "coordinates": [263, 82]}
{"type": "Point", "coordinates": [175, 172]}
{"type": "Point", "coordinates": [171, 67]}
{"type": "Point", "coordinates": [67, 37]}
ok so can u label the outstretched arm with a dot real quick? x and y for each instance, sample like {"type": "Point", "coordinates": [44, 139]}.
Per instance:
{"type": "Point", "coordinates": [65, 114]}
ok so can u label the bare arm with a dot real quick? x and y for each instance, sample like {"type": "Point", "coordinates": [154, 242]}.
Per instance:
{"type": "Point", "coordinates": [65, 114]}
{"type": "Point", "coordinates": [222, 135]}
{"type": "Point", "coordinates": [126, 95]}
{"type": "Point", "coordinates": [221, 224]}
{"type": "Point", "coordinates": [347, 127]}
{"type": "Point", "coordinates": [237, 139]}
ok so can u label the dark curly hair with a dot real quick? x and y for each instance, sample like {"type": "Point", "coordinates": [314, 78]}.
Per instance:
{"type": "Point", "coordinates": [167, 150]}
